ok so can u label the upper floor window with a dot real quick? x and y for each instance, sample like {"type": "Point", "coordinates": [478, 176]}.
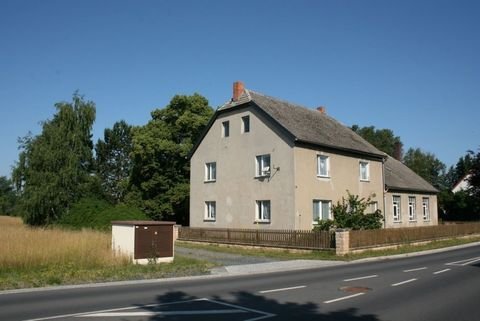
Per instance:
{"type": "Point", "coordinates": [396, 208]}
{"type": "Point", "coordinates": [263, 213]}
{"type": "Point", "coordinates": [364, 171]}
{"type": "Point", "coordinates": [323, 166]}
{"type": "Point", "coordinates": [245, 124]}
{"type": "Point", "coordinates": [412, 215]}
{"type": "Point", "coordinates": [225, 128]}
{"type": "Point", "coordinates": [426, 209]}
{"type": "Point", "coordinates": [262, 165]}
{"type": "Point", "coordinates": [321, 210]}
{"type": "Point", "coordinates": [210, 211]}
{"type": "Point", "coordinates": [210, 172]}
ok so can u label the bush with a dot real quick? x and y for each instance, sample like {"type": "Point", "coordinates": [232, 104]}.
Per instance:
{"type": "Point", "coordinates": [350, 213]}
{"type": "Point", "coordinates": [98, 214]}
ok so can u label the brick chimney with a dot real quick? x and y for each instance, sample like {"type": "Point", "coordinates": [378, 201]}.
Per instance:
{"type": "Point", "coordinates": [322, 109]}
{"type": "Point", "coordinates": [238, 89]}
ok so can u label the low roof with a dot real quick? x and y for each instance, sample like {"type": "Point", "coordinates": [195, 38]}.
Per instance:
{"type": "Point", "coordinates": [307, 125]}
{"type": "Point", "coordinates": [399, 177]}
{"type": "Point", "coordinates": [150, 223]}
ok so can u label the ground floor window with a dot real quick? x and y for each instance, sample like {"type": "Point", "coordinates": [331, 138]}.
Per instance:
{"type": "Point", "coordinates": [412, 215]}
{"type": "Point", "coordinates": [321, 210]}
{"type": "Point", "coordinates": [426, 208]}
{"type": "Point", "coordinates": [263, 213]}
{"type": "Point", "coordinates": [210, 211]}
{"type": "Point", "coordinates": [396, 208]}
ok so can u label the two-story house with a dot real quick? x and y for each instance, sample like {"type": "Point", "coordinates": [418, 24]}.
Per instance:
{"type": "Point", "coordinates": [267, 163]}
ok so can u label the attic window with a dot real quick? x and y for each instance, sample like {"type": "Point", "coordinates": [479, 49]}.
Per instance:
{"type": "Point", "coordinates": [245, 124]}
{"type": "Point", "coordinates": [225, 128]}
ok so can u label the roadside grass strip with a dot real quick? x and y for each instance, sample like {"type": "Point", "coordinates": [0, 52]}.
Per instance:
{"type": "Point", "coordinates": [465, 262]}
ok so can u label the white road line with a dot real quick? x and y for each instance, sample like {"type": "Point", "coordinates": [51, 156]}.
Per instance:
{"type": "Point", "coordinates": [465, 262]}
{"type": "Point", "coordinates": [343, 298]}
{"type": "Point", "coordinates": [361, 278]}
{"type": "Point", "coordinates": [404, 282]}
{"type": "Point", "coordinates": [417, 269]}
{"type": "Point", "coordinates": [283, 289]}
{"type": "Point", "coordinates": [159, 313]}
{"type": "Point", "coordinates": [441, 271]}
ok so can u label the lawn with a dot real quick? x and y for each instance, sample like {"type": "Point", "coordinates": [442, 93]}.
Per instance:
{"type": "Point", "coordinates": [35, 257]}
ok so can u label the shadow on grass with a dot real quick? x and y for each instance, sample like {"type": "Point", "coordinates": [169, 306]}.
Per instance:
{"type": "Point", "coordinates": [255, 307]}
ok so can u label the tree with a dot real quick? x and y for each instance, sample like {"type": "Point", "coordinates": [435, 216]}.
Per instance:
{"type": "Point", "coordinates": [113, 160]}
{"type": "Point", "coordinates": [458, 172]}
{"type": "Point", "coordinates": [354, 213]}
{"type": "Point", "coordinates": [383, 139]}
{"type": "Point", "coordinates": [474, 178]}
{"type": "Point", "coordinates": [427, 165]}
{"type": "Point", "coordinates": [159, 182]}
{"type": "Point", "coordinates": [54, 167]}
{"type": "Point", "coordinates": [7, 196]}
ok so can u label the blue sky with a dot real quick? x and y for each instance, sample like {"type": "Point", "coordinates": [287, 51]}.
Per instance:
{"type": "Point", "coordinates": [411, 66]}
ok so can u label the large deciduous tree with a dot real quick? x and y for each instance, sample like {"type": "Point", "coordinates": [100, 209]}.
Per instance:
{"type": "Point", "coordinates": [427, 165]}
{"type": "Point", "coordinates": [54, 167]}
{"type": "Point", "coordinates": [383, 139]}
{"type": "Point", "coordinates": [113, 160]}
{"type": "Point", "coordinates": [160, 175]}
{"type": "Point", "coordinates": [7, 196]}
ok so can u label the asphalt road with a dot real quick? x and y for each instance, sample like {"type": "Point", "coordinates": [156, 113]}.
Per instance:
{"type": "Point", "coordinates": [441, 286]}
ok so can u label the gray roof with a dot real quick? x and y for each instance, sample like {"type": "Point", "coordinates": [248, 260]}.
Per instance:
{"type": "Point", "coordinates": [308, 125]}
{"type": "Point", "coordinates": [399, 177]}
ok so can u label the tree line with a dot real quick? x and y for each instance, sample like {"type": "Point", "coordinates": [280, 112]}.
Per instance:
{"type": "Point", "coordinates": [62, 176]}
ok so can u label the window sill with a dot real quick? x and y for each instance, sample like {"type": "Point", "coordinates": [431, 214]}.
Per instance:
{"type": "Point", "coordinates": [262, 176]}
{"type": "Point", "coordinates": [262, 222]}
{"type": "Point", "coordinates": [324, 177]}
{"type": "Point", "coordinates": [412, 221]}
{"type": "Point", "coordinates": [209, 220]}
{"type": "Point", "coordinates": [210, 181]}
{"type": "Point", "coordinates": [365, 180]}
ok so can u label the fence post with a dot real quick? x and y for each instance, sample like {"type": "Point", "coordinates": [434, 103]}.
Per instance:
{"type": "Point", "coordinates": [342, 241]}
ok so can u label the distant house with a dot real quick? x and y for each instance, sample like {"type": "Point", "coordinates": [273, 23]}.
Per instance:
{"type": "Point", "coordinates": [462, 184]}
{"type": "Point", "coordinates": [268, 163]}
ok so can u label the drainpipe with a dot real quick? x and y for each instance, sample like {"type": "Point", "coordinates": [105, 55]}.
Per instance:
{"type": "Point", "coordinates": [384, 188]}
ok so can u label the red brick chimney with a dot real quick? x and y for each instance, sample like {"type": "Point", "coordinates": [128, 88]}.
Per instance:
{"type": "Point", "coordinates": [322, 109]}
{"type": "Point", "coordinates": [238, 89]}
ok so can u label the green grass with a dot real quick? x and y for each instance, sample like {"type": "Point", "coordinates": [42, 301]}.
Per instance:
{"type": "Point", "coordinates": [287, 254]}
{"type": "Point", "coordinates": [68, 274]}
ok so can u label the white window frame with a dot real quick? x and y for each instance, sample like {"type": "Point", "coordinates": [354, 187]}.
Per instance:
{"type": "Point", "coordinates": [262, 167]}
{"type": "Point", "coordinates": [245, 124]}
{"type": "Point", "coordinates": [367, 171]}
{"type": "Point", "coordinates": [210, 211]}
{"type": "Point", "coordinates": [397, 208]}
{"type": "Point", "coordinates": [320, 213]}
{"type": "Point", "coordinates": [426, 208]}
{"type": "Point", "coordinates": [210, 172]}
{"type": "Point", "coordinates": [412, 209]}
{"type": "Point", "coordinates": [372, 207]}
{"type": "Point", "coordinates": [263, 212]}
{"type": "Point", "coordinates": [327, 166]}
{"type": "Point", "coordinates": [226, 128]}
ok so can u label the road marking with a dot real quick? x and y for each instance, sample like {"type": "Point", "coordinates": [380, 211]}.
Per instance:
{"type": "Point", "coordinates": [441, 271]}
{"type": "Point", "coordinates": [361, 278]}
{"type": "Point", "coordinates": [404, 282]}
{"type": "Point", "coordinates": [465, 262]}
{"type": "Point", "coordinates": [283, 289]}
{"type": "Point", "coordinates": [343, 298]}
{"type": "Point", "coordinates": [159, 313]}
{"type": "Point", "coordinates": [417, 269]}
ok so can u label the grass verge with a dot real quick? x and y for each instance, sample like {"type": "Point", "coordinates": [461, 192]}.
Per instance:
{"type": "Point", "coordinates": [286, 254]}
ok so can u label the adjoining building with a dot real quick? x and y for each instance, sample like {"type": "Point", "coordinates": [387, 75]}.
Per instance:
{"type": "Point", "coordinates": [266, 163]}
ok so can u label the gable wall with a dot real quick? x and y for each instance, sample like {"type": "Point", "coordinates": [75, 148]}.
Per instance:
{"type": "Point", "coordinates": [236, 189]}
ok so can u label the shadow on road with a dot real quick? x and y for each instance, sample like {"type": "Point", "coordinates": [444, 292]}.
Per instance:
{"type": "Point", "coordinates": [283, 311]}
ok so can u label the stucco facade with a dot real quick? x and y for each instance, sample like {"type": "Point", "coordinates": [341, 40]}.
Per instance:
{"type": "Point", "coordinates": [424, 211]}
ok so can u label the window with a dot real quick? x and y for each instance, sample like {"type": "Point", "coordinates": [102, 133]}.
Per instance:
{"type": "Point", "coordinates": [210, 211]}
{"type": "Point", "coordinates": [323, 166]}
{"type": "Point", "coordinates": [210, 172]}
{"type": "Point", "coordinates": [245, 124]}
{"type": "Point", "coordinates": [225, 129]}
{"type": "Point", "coordinates": [372, 207]}
{"type": "Point", "coordinates": [263, 165]}
{"type": "Point", "coordinates": [396, 208]}
{"type": "Point", "coordinates": [364, 171]}
{"type": "Point", "coordinates": [321, 210]}
{"type": "Point", "coordinates": [426, 209]}
{"type": "Point", "coordinates": [412, 216]}
{"type": "Point", "coordinates": [263, 211]}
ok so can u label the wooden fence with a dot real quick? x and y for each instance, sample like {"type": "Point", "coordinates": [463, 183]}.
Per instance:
{"type": "Point", "coordinates": [383, 237]}
{"type": "Point", "coordinates": [318, 240]}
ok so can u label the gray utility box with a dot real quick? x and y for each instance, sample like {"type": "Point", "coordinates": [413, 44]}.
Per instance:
{"type": "Point", "coordinates": [144, 241]}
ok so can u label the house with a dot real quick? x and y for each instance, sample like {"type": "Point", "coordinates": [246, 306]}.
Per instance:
{"type": "Point", "coordinates": [266, 163]}
{"type": "Point", "coordinates": [463, 184]}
